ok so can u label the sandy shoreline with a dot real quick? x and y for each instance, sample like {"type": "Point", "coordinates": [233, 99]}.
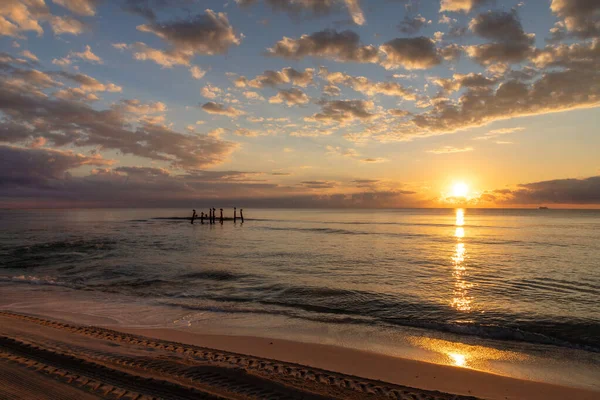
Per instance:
{"type": "Point", "coordinates": [104, 362]}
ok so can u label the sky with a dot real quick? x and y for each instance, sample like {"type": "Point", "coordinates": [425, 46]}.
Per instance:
{"type": "Point", "coordinates": [299, 103]}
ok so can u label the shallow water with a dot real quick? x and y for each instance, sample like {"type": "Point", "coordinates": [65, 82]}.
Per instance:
{"type": "Point", "coordinates": [518, 277]}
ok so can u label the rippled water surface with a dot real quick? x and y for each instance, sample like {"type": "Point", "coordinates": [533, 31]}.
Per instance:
{"type": "Point", "coordinates": [513, 275]}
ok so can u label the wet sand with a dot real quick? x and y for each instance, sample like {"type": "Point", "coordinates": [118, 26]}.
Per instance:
{"type": "Point", "coordinates": [43, 358]}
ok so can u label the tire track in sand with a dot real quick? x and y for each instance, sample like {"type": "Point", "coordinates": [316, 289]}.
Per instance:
{"type": "Point", "coordinates": [255, 377]}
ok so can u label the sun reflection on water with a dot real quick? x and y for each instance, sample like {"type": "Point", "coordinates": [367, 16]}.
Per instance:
{"type": "Point", "coordinates": [459, 359]}
{"type": "Point", "coordinates": [461, 299]}
{"type": "Point", "coordinates": [465, 355]}
{"type": "Point", "coordinates": [460, 217]}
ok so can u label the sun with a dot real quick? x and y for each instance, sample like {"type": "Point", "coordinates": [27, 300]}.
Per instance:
{"type": "Point", "coordinates": [460, 189]}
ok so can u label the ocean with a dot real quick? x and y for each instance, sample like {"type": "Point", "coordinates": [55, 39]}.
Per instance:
{"type": "Point", "coordinates": [514, 292]}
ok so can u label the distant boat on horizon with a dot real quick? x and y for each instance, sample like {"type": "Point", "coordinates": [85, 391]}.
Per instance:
{"type": "Point", "coordinates": [542, 208]}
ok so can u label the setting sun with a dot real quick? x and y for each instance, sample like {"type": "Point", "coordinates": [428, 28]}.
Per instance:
{"type": "Point", "coordinates": [460, 189]}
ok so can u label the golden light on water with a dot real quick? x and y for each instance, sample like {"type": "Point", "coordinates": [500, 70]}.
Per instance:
{"type": "Point", "coordinates": [460, 217]}
{"type": "Point", "coordinates": [461, 299]}
{"type": "Point", "coordinates": [464, 355]}
{"type": "Point", "coordinates": [459, 359]}
{"type": "Point", "coordinates": [459, 256]}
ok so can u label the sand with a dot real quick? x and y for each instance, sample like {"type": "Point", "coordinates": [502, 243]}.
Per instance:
{"type": "Point", "coordinates": [42, 358]}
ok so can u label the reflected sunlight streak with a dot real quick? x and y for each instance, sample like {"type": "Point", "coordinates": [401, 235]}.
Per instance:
{"type": "Point", "coordinates": [459, 359]}
{"type": "Point", "coordinates": [460, 217]}
{"type": "Point", "coordinates": [465, 355]}
{"type": "Point", "coordinates": [461, 299]}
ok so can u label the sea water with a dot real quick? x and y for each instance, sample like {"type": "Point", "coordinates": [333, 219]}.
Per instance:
{"type": "Point", "coordinates": [514, 292]}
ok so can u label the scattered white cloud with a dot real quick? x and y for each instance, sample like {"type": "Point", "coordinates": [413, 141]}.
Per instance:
{"type": "Point", "coordinates": [450, 150]}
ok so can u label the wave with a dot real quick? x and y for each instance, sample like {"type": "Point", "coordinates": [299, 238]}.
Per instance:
{"type": "Point", "coordinates": [212, 275]}
{"type": "Point", "coordinates": [56, 252]}
{"type": "Point", "coordinates": [221, 308]}
{"type": "Point", "coordinates": [324, 315]}
{"type": "Point", "coordinates": [342, 231]}
{"type": "Point", "coordinates": [34, 280]}
{"type": "Point", "coordinates": [333, 305]}
{"type": "Point", "coordinates": [438, 225]}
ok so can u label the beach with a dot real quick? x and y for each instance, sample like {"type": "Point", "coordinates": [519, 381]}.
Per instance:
{"type": "Point", "coordinates": [53, 359]}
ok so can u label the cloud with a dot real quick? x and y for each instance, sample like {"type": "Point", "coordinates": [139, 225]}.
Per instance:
{"type": "Point", "coordinates": [332, 90]}
{"type": "Point", "coordinates": [554, 91]}
{"type": "Point", "coordinates": [205, 34]}
{"type": "Point", "coordinates": [164, 58]}
{"type": "Point", "coordinates": [499, 26]}
{"type": "Point", "coordinates": [410, 53]}
{"type": "Point", "coordinates": [30, 114]}
{"type": "Point", "coordinates": [215, 108]}
{"type": "Point", "coordinates": [353, 153]}
{"type": "Point", "coordinates": [248, 132]}
{"type": "Point", "coordinates": [125, 185]}
{"type": "Point", "coordinates": [459, 81]}
{"type": "Point", "coordinates": [89, 84]}
{"type": "Point", "coordinates": [31, 81]}
{"type": "Point", "coordinates": [318, 184]}
{"type": "Point", "coordinates": [309, 131]}
{"type": "Point", "coordinates": [364, 85]}
{"type": "Point", "coordinates": [361, 183]}
{"type": "Point", "coordinates": [355, 11]}
{"type": "Point", "coordinates": [197, 72]}
{"type": "Point", "coordinates": [275, 78]}
{"type": "Point", "coordinates": [343, 111]}
{"type": "Point", "coordinates": [398, 113]}
{"type": "Point", "coordinates": [253, 132]}
{"type": "Point", "coordinates": [451, 52]}
{"type": "Point", "coordinates": [412, 25]}
{"type": "Point", "coordinates": [135, 106]}
{"type": "Point", "coordinates": [70, 25]}
{"type": "Point", "coordinates": [86, 55]}
{"type": "Point", "coordinates": [30, 55]}
{"type": "Point", "coordinates": [26, 166]}
{"type": "Point", "coordinates": [314, 7]}
{"type": "Point", "coordinates": [580, 17]}
{"type": "Point", "coordinates": [340, 151]}
{"type": "Point", "coordinates": [374, 160]}
{"type": "Point", "coordinates": [137, 186]}
{"type": "Point", "coordinates": [211, 92]}
{"type": "Point", "coordinates": [252, 95]}
{"type": "Point", "coordinates": [558, 191]}
{"type": "Point", "coordinates": [143, 7]}
{"type": "Point", "coordinates": [81, 7]}
{"type": "Point", "coordinates": [498, 132]}
{"type": "Point", "coordinates": [240, 82]}
{"type": "Point", "coordinates": [450, 150]}
{"type": "Point", "coordinates": [18, 16]}
{"type": "Point", "coordinates": [76, 94]}
{"type": "Point", "coordinates": [461, 5]}
{"type": "Point", "coordinates": [342, 46]}
{"type": "Point", "coordinates": [291, 97]}
{"type": "Point", "coordinates": [511, 43]}
{"type": "Point", "coordinates": [584, 55]}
